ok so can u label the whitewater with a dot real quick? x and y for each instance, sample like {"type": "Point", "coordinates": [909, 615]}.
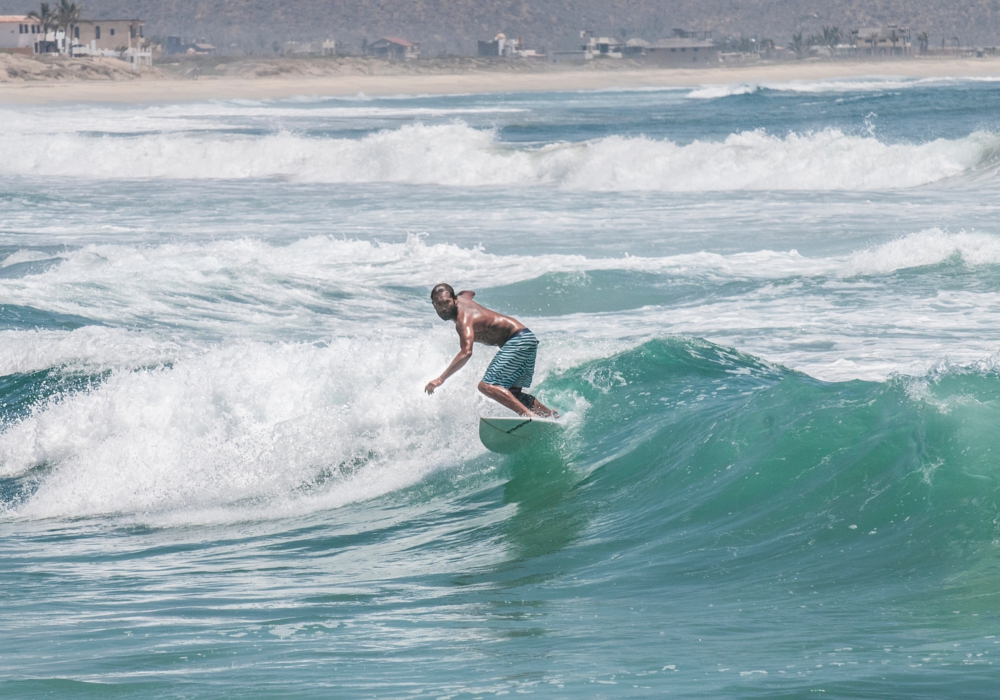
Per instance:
{"type": "Point", "coordinates": [770, 315]}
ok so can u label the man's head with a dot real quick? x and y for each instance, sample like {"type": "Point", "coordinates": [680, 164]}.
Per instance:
{"type": "Point", "coordinates": [445, 302]}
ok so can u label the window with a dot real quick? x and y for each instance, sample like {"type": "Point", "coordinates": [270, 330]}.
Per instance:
{"type": "Point", "coordinates": [97, 32]}
{"type": "Point", "coordinates": [76, 32]}
{"type": "Point", "coordinates": [696, 49]}
{"type": "Point", "coordinates": [112, 32]}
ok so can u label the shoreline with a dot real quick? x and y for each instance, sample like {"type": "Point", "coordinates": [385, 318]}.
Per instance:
{"type": "Point", "coordinates": [160, 88]}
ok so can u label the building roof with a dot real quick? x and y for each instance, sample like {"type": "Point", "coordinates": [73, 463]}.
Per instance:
{"type": "Point", "coordinates": [17, 18]}
{"type": "Point", "coordinates": [637, 42]}
{"type": "Point", "coordinates": [397, 40]}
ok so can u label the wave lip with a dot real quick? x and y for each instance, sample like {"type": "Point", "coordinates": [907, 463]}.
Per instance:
{"type": "Point", "coordinates": [714, 92]}
{"type": "Point", "coordinates": [921, 249]}
{"type": "Point", "coordinates": [866, 84]}
{"type": "Point", "coordinates": [456, 154]}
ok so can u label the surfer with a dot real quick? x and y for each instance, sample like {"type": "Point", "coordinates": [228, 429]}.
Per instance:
{"type": "Point", "coordinates": [511, 371]}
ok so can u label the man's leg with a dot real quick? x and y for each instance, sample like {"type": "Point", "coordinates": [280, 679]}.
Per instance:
{"type": "Point", "coordinates": [503, 397]}
{"type": "Point", "coordinates": [532, 403]}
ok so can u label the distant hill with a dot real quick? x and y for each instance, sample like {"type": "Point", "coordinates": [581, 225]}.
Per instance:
{"type": "Point", "coordinates": [453, 26]}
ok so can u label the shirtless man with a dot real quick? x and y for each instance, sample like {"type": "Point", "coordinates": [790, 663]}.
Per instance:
{"type": "Point", "coordinates": [512, 368]}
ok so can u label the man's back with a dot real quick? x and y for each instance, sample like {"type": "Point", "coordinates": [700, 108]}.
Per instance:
{"type": "Point", "coordinates": [489, 327]}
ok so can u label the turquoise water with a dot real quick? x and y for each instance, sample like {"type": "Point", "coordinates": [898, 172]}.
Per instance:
{"type": "Point", "coordinates": [769, 314]}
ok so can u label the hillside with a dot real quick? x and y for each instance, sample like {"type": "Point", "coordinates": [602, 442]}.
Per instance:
{"type": "Point", "coordinates": [453, 26]}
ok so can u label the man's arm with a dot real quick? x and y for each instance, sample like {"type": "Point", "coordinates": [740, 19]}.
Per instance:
{"type": "Point", "coordinates": [466, 335]}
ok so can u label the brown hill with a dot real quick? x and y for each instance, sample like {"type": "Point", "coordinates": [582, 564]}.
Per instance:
{"type": "Point", "coordinates": [453, 26]}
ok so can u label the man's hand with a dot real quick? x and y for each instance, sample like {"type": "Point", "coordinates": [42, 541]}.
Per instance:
{"type": "Point", "coordinates": [433, 384]}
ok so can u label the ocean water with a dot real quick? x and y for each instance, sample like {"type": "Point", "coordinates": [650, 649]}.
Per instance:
{"type": "Point", "coordinates": [769, 313]}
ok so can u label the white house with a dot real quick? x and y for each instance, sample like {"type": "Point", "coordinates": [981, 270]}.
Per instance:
{"type": "Point", "coordinates": [19, 34]}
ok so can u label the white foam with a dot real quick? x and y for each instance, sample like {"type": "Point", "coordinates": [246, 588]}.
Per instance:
{"type": "Point", "coordinates": [90, 349]}
{"type": "Point", "coordinates": [458, 155]}
{"type": "Point", "coordinates": [310, 289]}
{"type": "Point", "coordinates": [261, 422]}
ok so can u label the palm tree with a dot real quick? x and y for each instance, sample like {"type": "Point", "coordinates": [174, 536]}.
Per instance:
{"type": "Point", "coordinates": [893, 37]}
{"type": "Point", "coordinates": [924, 41]}
{"type": "Point", "coordinates": [45, 17]}
{"type": "Point", "coordinates": [873, 38]}
{"type": "Point", "coordinates": [831, 37]}
{"type": "Point", "coordinates": [798, 45]}
{"type": "Point", "coordinates": [66, 16]}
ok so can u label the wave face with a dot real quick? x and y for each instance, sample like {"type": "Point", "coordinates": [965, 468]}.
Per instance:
{"type": "Point", "coordinates": [769, 314]}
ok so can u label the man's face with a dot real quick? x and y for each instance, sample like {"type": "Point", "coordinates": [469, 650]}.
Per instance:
{"type": "Point", "coordinates": [446, 307]}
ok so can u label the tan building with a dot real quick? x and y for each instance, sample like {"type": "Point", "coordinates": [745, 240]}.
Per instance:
{"type": "Point", "coordinates": [683, 52]}
{"type": "Point", "coordinates": [109, 34]}
{"type": "Point", "coordinates": [19, 34]}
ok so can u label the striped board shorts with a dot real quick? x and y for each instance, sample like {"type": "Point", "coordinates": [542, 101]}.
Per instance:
{"type": "Point", "coordinates": [514, 364]}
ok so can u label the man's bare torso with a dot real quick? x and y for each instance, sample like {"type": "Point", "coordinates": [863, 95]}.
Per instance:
{"type": "Point", "coordinates": [490, 327]}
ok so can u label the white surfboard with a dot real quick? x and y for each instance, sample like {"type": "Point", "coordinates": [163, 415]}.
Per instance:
{"type": "Point", "coordinates": [507, 435]}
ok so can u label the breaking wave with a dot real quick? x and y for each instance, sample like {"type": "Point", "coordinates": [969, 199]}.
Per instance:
{"type": "Point", "coordinates": [456, 154]}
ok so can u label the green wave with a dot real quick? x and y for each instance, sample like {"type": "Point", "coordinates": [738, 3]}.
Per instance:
{"type": "Point", "coordinates": [704, 462]}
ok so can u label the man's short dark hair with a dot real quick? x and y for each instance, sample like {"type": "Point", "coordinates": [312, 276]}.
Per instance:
{"type": "Point", "coordinates": [442, 288]}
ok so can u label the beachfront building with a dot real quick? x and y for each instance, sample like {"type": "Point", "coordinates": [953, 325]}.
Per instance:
{"type": "Point", "coordinates": [98, 35]}
{"type": "Point", "coordinates": [20, 34]}
{"type": "Point", "coordinates": [600, 46]}
{"type": "Point", "coordinates": [683, 52]}
{"type": "Point", "coordinates": [635, 48]}
{"type": "Point", "coordinates": [892, 40]}
{"type": "Point", "coordinates": [310, 48]}
{"type": "Point", "coordinates": [592, 47]}
{"type": "Point", "coordinates": [394, 49]}
{"type": "Point", "coordinates": [177, 44]}
{"type": "Point", "coordinates": [502, 47]}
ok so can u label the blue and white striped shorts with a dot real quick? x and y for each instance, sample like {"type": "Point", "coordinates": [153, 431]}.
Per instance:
{"type": "Point", "coordinates": [514, 364]}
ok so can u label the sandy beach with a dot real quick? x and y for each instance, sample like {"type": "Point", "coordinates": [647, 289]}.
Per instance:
{"type": "Point", "coordinates": [113, 84]}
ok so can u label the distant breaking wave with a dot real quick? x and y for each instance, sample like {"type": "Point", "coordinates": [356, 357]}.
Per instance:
{"type": "Point", "coordinates": [458, 155]}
